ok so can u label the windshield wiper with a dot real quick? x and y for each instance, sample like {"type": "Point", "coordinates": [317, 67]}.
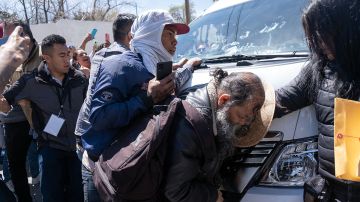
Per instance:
{"type": "Point", "coordinates": [237, 58]}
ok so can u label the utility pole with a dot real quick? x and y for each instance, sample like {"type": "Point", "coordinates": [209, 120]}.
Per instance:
{"type": "Point", "coordinates": [187, 12]}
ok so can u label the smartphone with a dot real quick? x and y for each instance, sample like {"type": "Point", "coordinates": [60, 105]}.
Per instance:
{"type": "Point", "coordinates": [93, 33]}
{"type": "Point", "coordinates": [107, 37]}
{"type": "Point", "coordinates": [163, 69]}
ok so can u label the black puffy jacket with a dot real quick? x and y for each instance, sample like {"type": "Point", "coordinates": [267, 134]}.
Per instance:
{"type": "Point", "coordinates": [295, 96]}
{"type": "Point", "coordinates": [190, 174]}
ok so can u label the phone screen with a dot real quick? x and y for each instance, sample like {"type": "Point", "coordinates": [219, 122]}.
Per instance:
{"type": "Point", "coordinates": [163, 69]}
{"type": "Point", "coordinates": [93, 33]}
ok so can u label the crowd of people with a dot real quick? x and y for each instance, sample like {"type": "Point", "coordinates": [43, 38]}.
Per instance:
{"type": "Point", "coordinates": [62, 107]}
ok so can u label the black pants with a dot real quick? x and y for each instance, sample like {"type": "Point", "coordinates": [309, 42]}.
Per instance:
{"type": "Point", "coordinates": [17, 141]}
{"type": "Point", "coordinates": [5, 193]}
{"type": "Point", "coordinates": [61, 175]}
{"type": "Point", "coordinates": [346, 191]}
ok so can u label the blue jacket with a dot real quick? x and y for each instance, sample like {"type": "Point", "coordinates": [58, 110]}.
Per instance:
{"type": "Point", "coordinates": [117, 99]}
{"type": "Point", "coordinates": [83, 124]}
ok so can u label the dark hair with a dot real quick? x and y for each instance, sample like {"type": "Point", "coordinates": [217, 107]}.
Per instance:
{"type": "Point", "coordinates": [122, 26]}
{"type": "Point", "coordinates": [25, 26]}
{"type": "Point", "coordinates": [74, 56]}
{"type": "Point", "coordinates": [49, 41]}
{"type": "Point", "coordinates": [239, 85]}
{"type": "Point", "coordinates": [336, 24]}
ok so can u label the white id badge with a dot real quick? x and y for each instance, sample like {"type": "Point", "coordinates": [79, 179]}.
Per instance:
{"type": "Point", "coordinates": [54, 125]}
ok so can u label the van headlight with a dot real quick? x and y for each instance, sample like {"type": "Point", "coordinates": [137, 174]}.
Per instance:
{"type": "Point", "coordinates": [295, 163]}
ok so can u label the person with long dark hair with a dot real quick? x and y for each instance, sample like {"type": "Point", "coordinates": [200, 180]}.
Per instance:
{"type": "Point", "coordinates": [332, 29]}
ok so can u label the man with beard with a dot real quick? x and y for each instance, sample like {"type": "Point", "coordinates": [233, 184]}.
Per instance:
{"type": "Point", "coordinates": [239, 108]}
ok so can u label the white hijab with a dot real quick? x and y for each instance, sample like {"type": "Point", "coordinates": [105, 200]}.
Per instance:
{"type": "Point", "coordinates": [146, 32]}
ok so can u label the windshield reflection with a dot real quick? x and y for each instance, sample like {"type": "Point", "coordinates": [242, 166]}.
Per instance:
{"type": "Point", "coordinates": [256, 27]}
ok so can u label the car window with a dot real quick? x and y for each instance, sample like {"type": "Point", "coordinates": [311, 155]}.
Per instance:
{"type": "Point", "coordinates": [209, 29]}
{"type": "Point", "coordinates": [251, 28]}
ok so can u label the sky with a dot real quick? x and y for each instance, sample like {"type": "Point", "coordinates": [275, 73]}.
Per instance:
{"type": "Point", "coordinates": [143, 5]}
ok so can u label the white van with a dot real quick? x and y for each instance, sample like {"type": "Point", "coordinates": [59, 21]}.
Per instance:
{"type": "Point", "coordinates": [264, 37]}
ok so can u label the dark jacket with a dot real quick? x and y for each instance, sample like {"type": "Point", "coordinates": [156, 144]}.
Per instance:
{"type": "Point", "coordinates": [46, 95]}
{"type": "Point", "coordinates": [189, 175]}
{"type": "Point", "coordinates": [118, 98]}
{"type": "Point", "coordinates": [296, 95]}
{"type": "Point", "coordinates": [16, 114]}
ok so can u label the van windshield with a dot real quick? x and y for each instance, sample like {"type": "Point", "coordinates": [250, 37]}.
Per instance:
{"type": "Point", "coordinates": [257, 27]}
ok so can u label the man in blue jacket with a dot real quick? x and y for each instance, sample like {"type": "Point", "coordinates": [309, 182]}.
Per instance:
{"type": "Point", "coordinates": [126, 87]}
{"type": "Point", "coordinates": [119, 75]}
{"type": "Point", "coordinates": [122, 37]}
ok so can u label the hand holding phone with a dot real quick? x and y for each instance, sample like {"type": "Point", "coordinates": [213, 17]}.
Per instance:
{"type": "Point", "coordinates": [93, 33]}
{"type": "Point", "coordinates": [163, 69]}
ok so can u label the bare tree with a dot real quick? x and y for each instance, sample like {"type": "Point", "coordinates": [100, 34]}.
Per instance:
{"type": "Point", "coordinates": [101, 8]}
{"type": "Point", "coordinates": [7, 10]}
{"type": "Point", "coordinates": [6, 15]}
{"type": "Point", "coordinates": [44, 11]}
{"type": "Point", "coordinates": [23, 3]}
{"type": "Point", "coordinates": [178, 12]}
{"type": "Point", "coordinates": [62, 9]}
{"type": "Point", "coordinates": [46, 8]}
{"type": "Point", "coordinates": [35, 11]}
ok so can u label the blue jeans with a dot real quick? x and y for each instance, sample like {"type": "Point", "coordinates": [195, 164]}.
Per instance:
{"type": "Point", "coordinates": [90, 192]}
{"type": "Point", "coordinates": [33, 159]}
{"type": "Point", "coordinates": [60, 175]}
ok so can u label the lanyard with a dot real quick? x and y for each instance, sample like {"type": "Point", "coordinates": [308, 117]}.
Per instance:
{"type": "Point", "coordinates": [61, 97]}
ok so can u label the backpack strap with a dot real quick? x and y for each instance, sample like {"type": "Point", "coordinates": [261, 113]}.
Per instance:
{"type": "Point", "coordinates": [110, 53]}
{"type": "Point", "coordinates": [202, 129]}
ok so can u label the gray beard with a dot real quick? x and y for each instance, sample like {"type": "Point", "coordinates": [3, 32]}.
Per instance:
{"type": "Point", "coordinates": [227, 132]}
{"type": "Point", "coordinates": [224, 133]}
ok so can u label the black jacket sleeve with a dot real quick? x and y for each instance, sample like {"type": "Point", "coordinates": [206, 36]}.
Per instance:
{"type": "Point", "coordinates": [183, 167]}
{"type": "Point", "coordinates": [17, 90]}
{"type": "Point", "coordinates": [295, 95]}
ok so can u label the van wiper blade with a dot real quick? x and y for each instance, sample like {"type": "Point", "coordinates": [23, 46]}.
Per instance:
{"type": "Point", "coordinates": [233, 58]}
{"type": "Point", "coordinates": [237, 58]}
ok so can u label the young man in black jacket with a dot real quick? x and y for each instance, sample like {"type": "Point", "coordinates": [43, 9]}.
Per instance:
{"type": "Point", "coordinates": [56, 92]}
{"type": "Point", "coordinates": [238, 108]}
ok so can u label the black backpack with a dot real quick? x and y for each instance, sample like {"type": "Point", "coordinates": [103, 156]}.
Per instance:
{"type": "Point", "coordinates": [131, 168]}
